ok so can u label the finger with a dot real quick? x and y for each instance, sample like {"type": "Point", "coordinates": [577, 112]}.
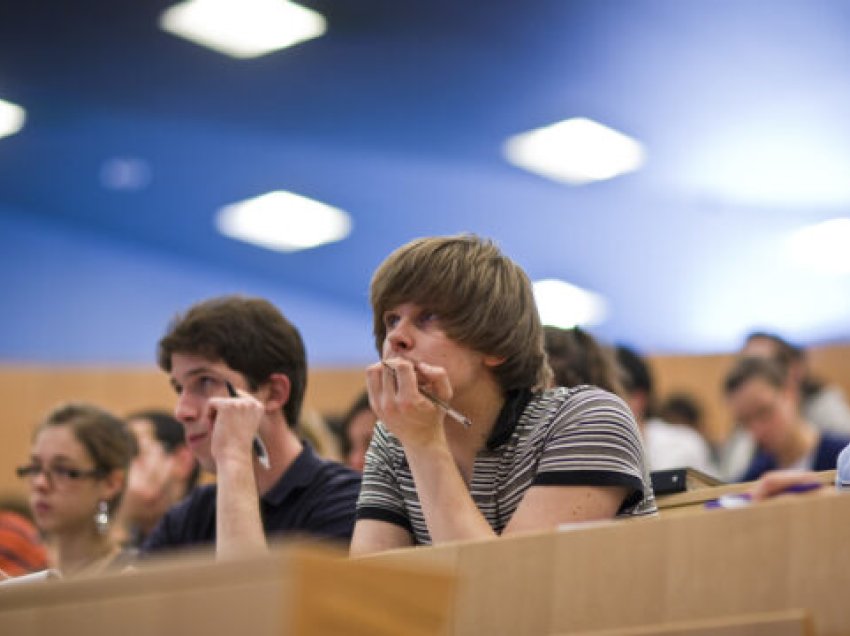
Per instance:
{"type": "Point", "coordinates": [437, 380]}
{"type": "Point", "coordinates": [375, 386]}
{"type": "Point", "coordinates": [404, 377]}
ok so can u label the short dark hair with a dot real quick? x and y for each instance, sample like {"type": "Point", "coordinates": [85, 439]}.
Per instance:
{"type": "Point", "coordinates": [250, 335]}
{"type": "Point", "coordinates": [636, 375]}
{"type": "Point", "coordinates": [168, 431]}
{"type": "Point", "coordinates": [749, 367]}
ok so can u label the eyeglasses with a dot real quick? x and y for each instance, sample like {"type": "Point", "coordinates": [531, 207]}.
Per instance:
{"type": "Point", "coordinates": [57, 475]}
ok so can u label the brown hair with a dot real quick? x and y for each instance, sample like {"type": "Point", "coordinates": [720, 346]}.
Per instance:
{"type": "Point", "coordinates": [577, 358]}
{"type": "Point", "coordinates": [483, 299]}
{"type": "Point", "coordinates": [106, 438]}
{"type": "Point", "coordinates": [250, 335]}
{"type": "Point", "coordinates": [750, 367]}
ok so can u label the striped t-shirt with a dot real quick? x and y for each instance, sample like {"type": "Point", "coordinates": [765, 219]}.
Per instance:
{"type": "Point", "coordinates": [582, 436]}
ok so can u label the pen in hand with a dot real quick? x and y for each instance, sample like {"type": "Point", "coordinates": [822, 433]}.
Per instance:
{"type": "Point", "coordinates": [451, 412]}
{"type": "Point", "coordinates": [259, 447]}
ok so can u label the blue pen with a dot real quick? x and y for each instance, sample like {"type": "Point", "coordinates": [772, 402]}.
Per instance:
{"type": "Point", "coordinates": [741, 500]}
{"type": "Point", "coordinates": [259, 447]}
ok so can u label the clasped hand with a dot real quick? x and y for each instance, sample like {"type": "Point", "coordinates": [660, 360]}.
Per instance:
{"type": "Point", "coordinates": [395, 396]}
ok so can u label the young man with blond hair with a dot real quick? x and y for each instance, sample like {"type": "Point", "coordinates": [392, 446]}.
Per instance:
{"type": "Point", "coordinates": [455, 319]}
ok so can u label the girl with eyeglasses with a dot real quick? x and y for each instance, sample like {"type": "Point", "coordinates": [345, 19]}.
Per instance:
{"type": "Point", "coordinates": [76, 475]}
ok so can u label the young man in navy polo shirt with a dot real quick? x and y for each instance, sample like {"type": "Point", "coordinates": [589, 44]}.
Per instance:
{"type": "Point", "coordinates": [239, 370]}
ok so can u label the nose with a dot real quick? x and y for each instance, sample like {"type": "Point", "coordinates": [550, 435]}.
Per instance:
{"type": "Point", "coordinates": [399, 337]}
{"type": "Point", "coordinates": [186, 410]}
{"type": "Point", "coordinates": [40, 481]}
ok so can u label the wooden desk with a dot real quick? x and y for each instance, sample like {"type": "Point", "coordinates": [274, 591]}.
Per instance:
{"type": "Point", "coordinates": [792, 553]}
{"type": "Point", "coordinates": [299, 590]}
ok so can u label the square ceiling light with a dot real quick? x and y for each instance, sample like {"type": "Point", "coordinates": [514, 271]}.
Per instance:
{"type": "Point", "coordinates": [565, 305]}
{"type": "Point", "coordinates": [575, 151]}
{"type": "Point", "coordinates": [243, 28]}
{"type": "Point", "coordinates": [12, 118]}
{"type": "Point", "coordinates": [823, 247]}
{"type": "Point", "coordinates": [283, 222]}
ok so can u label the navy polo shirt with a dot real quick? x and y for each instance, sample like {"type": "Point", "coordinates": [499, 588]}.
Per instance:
{"type": "Point", "coordinates": [315, 497]}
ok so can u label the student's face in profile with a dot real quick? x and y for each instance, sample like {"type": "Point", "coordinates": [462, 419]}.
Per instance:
{"type": "Point", "coordinates": [765, 411]}
{"type": "Point", "coordinates": [64, 495]}
{"type": "Point", "coordinates": [196, 379]}
{"type": "Point", "coordinates": [359, 434]}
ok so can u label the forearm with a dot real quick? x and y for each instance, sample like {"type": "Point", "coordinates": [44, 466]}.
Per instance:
{"type": "Point", "coordinates": [447, 505]}
{"type": "Point", "coordinates": [239, 527]}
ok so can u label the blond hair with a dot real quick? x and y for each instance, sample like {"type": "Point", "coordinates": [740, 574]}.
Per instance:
{"type": "Point", "coordinates": [482, 298]}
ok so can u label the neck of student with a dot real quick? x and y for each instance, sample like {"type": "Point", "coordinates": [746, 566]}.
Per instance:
{"type": "Point", "coordinates": [801, 441]}
{"type": "Point", "coordinates": [482, 405]}
{"type": "Point", "coordinates": [83, 551]}
{"type": "Point", "coordinates": [283, 447]}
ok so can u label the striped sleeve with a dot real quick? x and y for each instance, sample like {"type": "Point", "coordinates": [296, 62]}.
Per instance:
{"type": "Point", "coordinates": [380, 493]}
{"type": "Point", "coordinates": [593, 440]}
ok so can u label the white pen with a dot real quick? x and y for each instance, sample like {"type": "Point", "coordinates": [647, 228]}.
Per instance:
{"type": "Point", "coordinates": [451, 412]}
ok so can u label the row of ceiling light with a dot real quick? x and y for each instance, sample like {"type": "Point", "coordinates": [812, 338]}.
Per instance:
{"type": "Point", "coordinates": [574, 151]}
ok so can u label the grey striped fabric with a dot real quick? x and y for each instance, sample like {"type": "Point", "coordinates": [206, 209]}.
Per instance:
{"type": "Point", "coordinates": [582, 436]}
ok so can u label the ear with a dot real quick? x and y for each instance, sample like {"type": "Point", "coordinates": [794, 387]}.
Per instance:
{"type": "Point", "coordinates": [493, 361]}
{"type": "Point", "coordinates": [112, 484]}
{"type": "Point", "coordinates": [279, 390]}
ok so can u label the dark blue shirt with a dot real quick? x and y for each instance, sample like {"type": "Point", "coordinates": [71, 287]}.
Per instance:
{"type": "Point", "coordinates": [315, 498]}
{"type": "Point", "coordinates": [825, 458]}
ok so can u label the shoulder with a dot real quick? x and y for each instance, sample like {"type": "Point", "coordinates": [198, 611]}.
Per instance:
{"type": "Point", "coordinates": [190, 521]}
{"type": "Point", "coordinates": [580, 406]}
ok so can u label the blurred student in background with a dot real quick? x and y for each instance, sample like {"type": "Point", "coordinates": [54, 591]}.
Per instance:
{"type": "Point", "coordinates": [356, 430]}
{"type": "Point", "coordinates": [684, 409]}
{"type": "Point", "coordinates": [163, 472]}
{"type": "Point", "coordinates": [76, 475]}
{"type": "Point", "coordinates": [21, 548]}
{"type": "Point", "coordinates": [767, 406]}
{"type": "Point", "coordinates": [823, 406]}
{"type": "Point", "coordinates": [577, 358]}
{"type": "Point", "coordinates": [667, 445]}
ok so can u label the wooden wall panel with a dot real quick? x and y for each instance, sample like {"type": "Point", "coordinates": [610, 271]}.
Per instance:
{"type": "Point", "coordinates": [28, 392]}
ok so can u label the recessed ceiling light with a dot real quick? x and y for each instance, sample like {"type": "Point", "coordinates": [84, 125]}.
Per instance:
{"type": "Point", "coordinates": [575, 151]}
{"type": "Point", "coordinates": [283, 221]}
{"type": "Point", "coordinates": [12, 118]}
{"type": "Point", "coordinates": [823, 247]}
{"type": "Point", "coordinates": [125, 173]}
{"type": "Point", "coordinates": [564, 305]}
{"type": "Point", "coordinates": [243, 29]}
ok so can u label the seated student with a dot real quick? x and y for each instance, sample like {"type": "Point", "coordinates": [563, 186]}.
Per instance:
{"type": "Point", "coordinates": [76, 476]}
{"type": "Point", "coordinates": [577, 358]}
{"type": "Point", "coordinates": [667, 445]}
{"type": "Point", "coordinates": [767, 405]}
{"type": "Point", "coordinates": [821, 404]}
{"type": "Point", "coordinates": [246, 344]}
{"type": "Point", "coordinates": [21, 549]}
{"type": "Point", "coordinates": [455, 319]}
{"type": "Point", "coordinates": [356, 430]}
{"type": "Point", "coordinates": [162, 473]}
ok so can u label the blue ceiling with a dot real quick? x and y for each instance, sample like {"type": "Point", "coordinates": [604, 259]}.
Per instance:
{"type": "Point", "coordinates": [397, 115]}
